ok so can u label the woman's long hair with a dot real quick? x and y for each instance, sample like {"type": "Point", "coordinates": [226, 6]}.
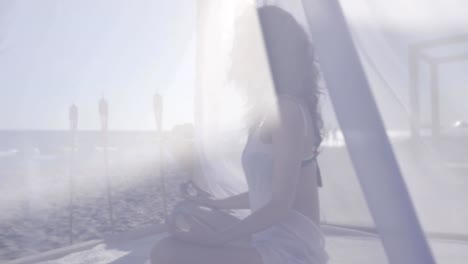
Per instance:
{"type": "Point", "coordinates": [290, 56]}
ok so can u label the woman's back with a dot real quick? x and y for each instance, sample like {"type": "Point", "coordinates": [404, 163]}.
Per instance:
{"type": "Point", "coordinates": [307, 199]}
{"type": "Point", "coordinates": [297, 238]}
{"type": "Point", "coordinates": [260, 143]}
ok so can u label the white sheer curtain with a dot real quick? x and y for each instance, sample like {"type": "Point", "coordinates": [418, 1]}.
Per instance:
{"type": "Point", "coordinates": [383, 32]}
{"type": "Point", "coordinates": [219, 113]}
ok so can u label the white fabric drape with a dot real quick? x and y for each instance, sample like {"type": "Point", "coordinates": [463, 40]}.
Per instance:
{"type": "Point", "coordinates": [382, 31]}
{"type": "Point", "coordinates": [218, 125]}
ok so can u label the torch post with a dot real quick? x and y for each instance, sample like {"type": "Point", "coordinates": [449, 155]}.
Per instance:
{"type": "Point", "coordinates": [104, 115]}
{"type": "Point", "coordinates": [73, 119]}
{"type": "Point", "coordinates": [158, 108]}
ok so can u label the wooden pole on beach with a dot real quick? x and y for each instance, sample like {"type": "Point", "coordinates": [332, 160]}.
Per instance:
{"type": "Point", "coordinates": [104, 114]}
{"type": "Point", "coordinates": [158, 109]}
{"type": "Point", "coordinates": [73, 118]}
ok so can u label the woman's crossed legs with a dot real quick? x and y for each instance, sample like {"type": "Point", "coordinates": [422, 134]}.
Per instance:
{"type": "Point", "coordinates": [173, 251]}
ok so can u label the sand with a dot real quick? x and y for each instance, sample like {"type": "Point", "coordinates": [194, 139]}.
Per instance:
{"type": "Point", "coordinates": [344, 248]}
{"type": "Point", "coordinates": [29, 228]}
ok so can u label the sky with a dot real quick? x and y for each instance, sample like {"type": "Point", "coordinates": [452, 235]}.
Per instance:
{"type": "Point", "coordinates": [55, 53]}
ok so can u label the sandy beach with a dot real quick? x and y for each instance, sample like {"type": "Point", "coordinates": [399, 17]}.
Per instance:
{"type": "Point", "coordinates": [26, 231]}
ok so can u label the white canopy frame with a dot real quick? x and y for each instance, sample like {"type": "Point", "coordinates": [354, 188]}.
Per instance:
{"type": "Point", "coordinates": [415, 56]}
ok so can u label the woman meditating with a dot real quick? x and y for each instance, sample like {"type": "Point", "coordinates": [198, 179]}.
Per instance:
{"type": "Point", "coordinates": [280, 166]}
